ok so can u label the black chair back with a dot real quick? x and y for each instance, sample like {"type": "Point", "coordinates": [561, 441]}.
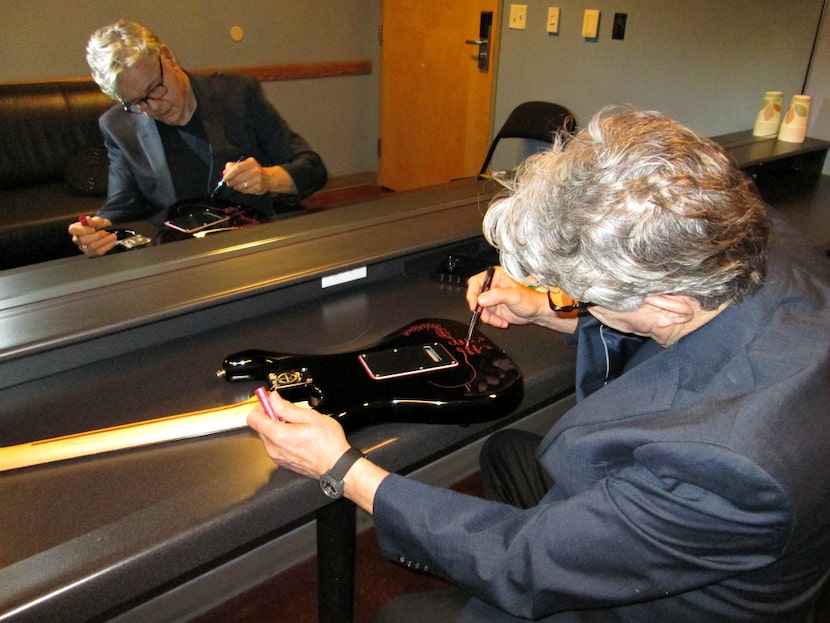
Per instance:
{"type": "Point", "coordinates": [536, 120]}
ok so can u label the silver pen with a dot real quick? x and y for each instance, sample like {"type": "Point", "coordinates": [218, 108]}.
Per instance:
{"type": "Point", "coordinates": [222, 182]}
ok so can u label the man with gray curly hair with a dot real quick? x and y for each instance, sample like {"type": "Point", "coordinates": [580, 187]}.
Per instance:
{"type": "Point", "coordinates": [638, 201]}
{"type": "Point", "coordinates": [690, 481]}
{"type": "Point", "coordinates": [175, 136]}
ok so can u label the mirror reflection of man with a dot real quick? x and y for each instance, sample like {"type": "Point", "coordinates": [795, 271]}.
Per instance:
{"type": "Point", "coordinates": [175, 136]}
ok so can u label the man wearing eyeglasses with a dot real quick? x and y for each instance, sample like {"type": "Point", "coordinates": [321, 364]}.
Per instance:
{"type": "Point", "coordinates": [177, 136]}
{"type": "Point", "coordinates": [691, 481]}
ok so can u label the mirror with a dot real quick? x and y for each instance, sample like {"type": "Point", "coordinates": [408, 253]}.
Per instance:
{"type": "Point", "coordinates": [339, 115]}
{"type": "Point", "coordinates": [323, 80]}
{"type": "Point", "coordinates": [50, 323]}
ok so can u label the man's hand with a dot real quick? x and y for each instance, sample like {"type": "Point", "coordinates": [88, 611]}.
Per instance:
{"type": "Point", "coordinates": [89, 234]}
{"type": "Point", "coordinates": [248, 176]}
{"type": "Point", "coordinates": [305, 441]}
{"type": "Point", "coordinates": [309, 443]}
{"type": "Point", "coordinates": [510, 302]}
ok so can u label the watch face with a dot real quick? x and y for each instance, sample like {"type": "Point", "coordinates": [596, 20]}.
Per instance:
{"type": "Point", "coordinates": [330, 487]}
{"type": "Point", "coordinates": [332, 481]}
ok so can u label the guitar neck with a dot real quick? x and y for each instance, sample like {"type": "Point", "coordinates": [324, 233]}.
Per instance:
{"type": "Point", "coordinates": [134, 435]}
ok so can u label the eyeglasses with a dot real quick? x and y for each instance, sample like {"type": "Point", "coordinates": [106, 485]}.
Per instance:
{"type": "Point", "coordinates": [155, 92]}
{"type": "Point", "coordinates": [561, 302]}
{"type": "Point", "coordinates": [558, 300]}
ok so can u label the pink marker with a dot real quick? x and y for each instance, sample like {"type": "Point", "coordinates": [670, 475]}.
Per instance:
{"type": "Point", "coordinates": [262, 394]}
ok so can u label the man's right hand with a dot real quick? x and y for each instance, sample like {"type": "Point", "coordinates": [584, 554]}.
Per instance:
{"type": "Point", "coordinates": [89, 234]}
{"type": "Point", "coordinates": [510, 302]}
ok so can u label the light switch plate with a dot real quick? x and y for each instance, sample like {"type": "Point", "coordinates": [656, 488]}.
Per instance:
{"type": "Point", "coordinates": [553, 19]}
{"type": "Point", "coordinates": [518, 16]}
{"type": "Point", "coordinates": [590, 23]}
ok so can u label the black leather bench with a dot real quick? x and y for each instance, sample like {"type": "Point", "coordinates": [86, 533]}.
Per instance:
{"type": "Point", "coordinates": [53, 166]}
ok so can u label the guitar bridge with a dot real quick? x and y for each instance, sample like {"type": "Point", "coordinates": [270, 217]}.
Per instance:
{"type": "Point", "coordinates": [296, 385]}
{"type": "Point", "coordinates": [286, 379]}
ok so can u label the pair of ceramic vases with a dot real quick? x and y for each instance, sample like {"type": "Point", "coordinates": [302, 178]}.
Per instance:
{"type": "Point", "coordinates": [793, 127]}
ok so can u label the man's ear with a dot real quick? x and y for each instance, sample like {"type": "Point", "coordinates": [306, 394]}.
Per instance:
{"type": "Point", "coordinates": [674, 308]}
{"type": "Point", "coordinates": [167, 53]}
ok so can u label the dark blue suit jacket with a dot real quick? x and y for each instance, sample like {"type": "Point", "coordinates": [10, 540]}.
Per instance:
{"type": "Point", "coordinates": [238, 120]}
{"type": "Point", "coordinates": [694, 487]}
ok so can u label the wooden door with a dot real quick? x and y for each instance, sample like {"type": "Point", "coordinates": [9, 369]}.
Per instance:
{"type": "Point", "coordinates": [435, 101]}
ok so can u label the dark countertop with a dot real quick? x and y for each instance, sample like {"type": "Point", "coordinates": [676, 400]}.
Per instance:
{"type": "Point", "coordinates": [750, 151]}
{"type": "Point", "coordinates": [90, 536]}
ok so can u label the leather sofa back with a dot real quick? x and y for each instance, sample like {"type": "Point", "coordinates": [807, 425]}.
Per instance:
{"type": "Point", "coordinates": [42, 125]}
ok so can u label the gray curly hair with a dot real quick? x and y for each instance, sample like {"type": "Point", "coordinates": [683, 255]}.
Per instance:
{"type": "Point", "coordinates": [117, 47]}
{"type": "Point", "coordinates": [635, 204]}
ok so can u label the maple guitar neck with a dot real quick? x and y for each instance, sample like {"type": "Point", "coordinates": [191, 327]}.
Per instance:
{"type": "Point", "coordinates": [126, 436]}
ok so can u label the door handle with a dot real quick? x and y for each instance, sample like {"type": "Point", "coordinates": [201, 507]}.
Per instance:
{"type": "Point", "coordinates": [483, 41]}
{"type": "Point", "coordinates": [483, 52]}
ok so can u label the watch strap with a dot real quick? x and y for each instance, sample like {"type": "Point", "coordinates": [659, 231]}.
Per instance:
{"type": "Point", "coordinates": [342, 466]}
{"type": "Point", "coordinates": [332, 481]}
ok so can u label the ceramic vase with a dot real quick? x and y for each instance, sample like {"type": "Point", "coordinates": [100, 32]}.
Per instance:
{"type": "Point", "coordinates": [769, 117]}
{"type": "Point", "coordinates": [794, 125]}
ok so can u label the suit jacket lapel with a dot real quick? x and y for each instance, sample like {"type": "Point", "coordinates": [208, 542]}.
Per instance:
{"type": "Point", "coordinates": [648, 388]}
{"type": "Point", "coordinates": [652, 386]}
{"type": "Point", "coordinates": [159, 171]}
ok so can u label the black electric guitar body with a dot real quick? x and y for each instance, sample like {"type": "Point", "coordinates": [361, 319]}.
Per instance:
{"type": "Point", "coordinates": [424, 372]}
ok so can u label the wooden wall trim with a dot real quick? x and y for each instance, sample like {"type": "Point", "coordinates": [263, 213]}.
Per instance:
{"type": "Point", "coordinates": [266, 73]}
{"type": "Point", "coordinates": [302, 71]}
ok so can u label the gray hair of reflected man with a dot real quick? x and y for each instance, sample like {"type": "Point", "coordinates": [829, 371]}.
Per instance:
{"type": "Point", "coordinates": [635, 204]}
{"type": "Point", "coordinates": [114, 48]}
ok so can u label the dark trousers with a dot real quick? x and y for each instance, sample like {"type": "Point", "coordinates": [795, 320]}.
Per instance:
{"type": "Point", "coordinates": [510, 473]}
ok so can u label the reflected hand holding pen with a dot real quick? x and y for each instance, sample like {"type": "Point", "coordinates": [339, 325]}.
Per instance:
{"type": "Point", "coordinates": [222, 182]}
